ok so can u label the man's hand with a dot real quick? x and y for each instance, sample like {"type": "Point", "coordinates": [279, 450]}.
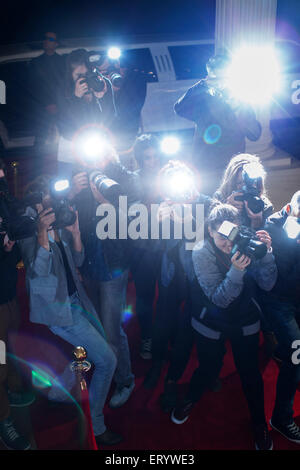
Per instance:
{"type": "Point", "coordinates": [81, 87]}
{"type": "Point", "coordinates": [240, 261]}
{"type": "Point", "coordinates": [46, 219]}
{"type": "Point", "coordinates": [8, 244]}
{"type": "Point", "coordinates": [264, 237]}
{"type": "Point", "coordinates": [74, 229]}
{"type": "Point", "coordinates": [80, 181]}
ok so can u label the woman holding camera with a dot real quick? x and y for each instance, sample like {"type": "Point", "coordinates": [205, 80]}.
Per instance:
{"type": "Point", "coordinates": [224, 309]}
{"type": "Point", "coordinates": [231, 190]}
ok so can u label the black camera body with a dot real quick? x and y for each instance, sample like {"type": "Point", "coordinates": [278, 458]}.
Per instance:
{"type": "Point", "coordinates": [251, 192]}
{"type": "Point", "coordinates": [93, 80]}
{"type": "Point", "coordinates": [243, 239]}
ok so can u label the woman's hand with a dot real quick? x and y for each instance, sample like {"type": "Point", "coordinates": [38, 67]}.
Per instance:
{"type": "Point", "coordinates": [81, 88]}
{"type": "Point", "coordinates": [240, 261]}
{"type": "Point", "coordinates": [256, 219]}
{"type": "Point", "coordinates": [265, 238]}
{"type": "Point", "coordinates": [239, 205]}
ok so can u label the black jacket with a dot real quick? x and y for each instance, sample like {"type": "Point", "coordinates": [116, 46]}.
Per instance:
{"type": "Point", "coordinates": [287, 256]}
{"type": "Point", "coordinates": [75, 113]}
{"type": "Point", "coordinates": [221, 130]}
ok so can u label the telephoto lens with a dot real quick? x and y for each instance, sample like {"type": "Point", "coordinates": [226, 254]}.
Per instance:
{"type": "Point", "coordinates": [108, 188]}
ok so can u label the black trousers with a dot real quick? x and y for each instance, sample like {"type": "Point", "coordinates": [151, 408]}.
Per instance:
{"type": "Point", "coordinates": [145, 271]}
{"type": "Point", "coordinates": [245, 352]}
{"type": "Point", "coordinates": [173, 324]}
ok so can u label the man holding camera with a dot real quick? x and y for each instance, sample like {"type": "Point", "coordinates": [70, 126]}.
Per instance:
{"type": "Point", "coordinates": [280, 309]}
{"type": "Point", "coordinates": [105, 270]}
{"type": "Point", "coordinates": [129, 87]}
{"type": "Point", "coordinates": [87, 99]}
{"type": "Point", "coordinates": [59, 301]}
{"type": "Point", "coordinates": [222, 124]}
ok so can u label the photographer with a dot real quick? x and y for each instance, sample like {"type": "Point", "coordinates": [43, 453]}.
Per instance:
{"type": "Point", "coordinates": [81, 104]}
{"type": "Point", "coordinates": [172, 322]}
{"type": "Point", "coordinates": [106, 266]}
{"type": "Point", "coordinates": [222, 124]}
{"type": "Point", "coordinates": [130, 89]}
{"type": "Point", "coordinates": [238, 189]}
{"type": "Point", "coordinates": [144, 266]}
{"type": "Point", "coordinates": [281, 306]}
{"type": "Point", "coordinates": [59, 301]}
{"type": "Point", "coordinates": [228, 313]}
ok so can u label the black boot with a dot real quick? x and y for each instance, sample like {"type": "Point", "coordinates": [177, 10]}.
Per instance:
{"type": "Point", "coordinates": [168, 398]}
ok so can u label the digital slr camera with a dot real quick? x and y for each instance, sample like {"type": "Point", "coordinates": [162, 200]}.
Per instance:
{"type": "Point", "coordinates": [243, 240]}
{"type": "Point", "coordinates": [18, 225]}
{"type": "Point", "coordinates": [252, 184]}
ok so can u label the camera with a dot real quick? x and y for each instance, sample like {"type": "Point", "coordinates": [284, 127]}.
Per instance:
{"type": "Point", "coordinates": [108, 188]}
{"type": "Point", "coordinates": [243, 239]}
{"type": "Point", "coordinates": [252, 184]}
{"type": "Point", "coordinates": [18, 225]}
{"type": "Point", "coordinates": [60, 204]}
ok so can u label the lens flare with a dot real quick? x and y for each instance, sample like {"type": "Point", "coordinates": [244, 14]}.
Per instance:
{"type": "Point", "coordinates": [61, 185]}
{"type": "Point", "coordinates": [170, 145]}
{"type": "Point", "coordinates": [114, 53]}
{"type": "Point", "coordinates": [254, 75]}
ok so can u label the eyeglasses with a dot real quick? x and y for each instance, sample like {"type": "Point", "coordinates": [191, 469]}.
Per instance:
{"type": "Point", "coordinates": [50, 39]}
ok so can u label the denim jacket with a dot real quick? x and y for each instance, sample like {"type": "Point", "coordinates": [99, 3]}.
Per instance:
{"type": "Point", "coordinates": [46, 280]}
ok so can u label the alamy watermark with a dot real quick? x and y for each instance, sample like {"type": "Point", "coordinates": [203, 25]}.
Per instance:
{"type": "Point", "coordinates": [140, 222]}
{"type": "Point", "coordinates": [2, 92]}
{"type": "Point", "coordinates": [2, 352]}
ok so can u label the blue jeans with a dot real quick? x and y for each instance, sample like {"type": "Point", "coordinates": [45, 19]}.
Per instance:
{"type": "Point", "coordinates": [109, 299]}
{"type": "Point", "coordinates": [281, 317]}
{"type": "Point", "coordinates": [85, 332]}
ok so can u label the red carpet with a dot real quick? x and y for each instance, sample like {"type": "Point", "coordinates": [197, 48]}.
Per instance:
{"type": "Point", "coordinates": [220, 420]}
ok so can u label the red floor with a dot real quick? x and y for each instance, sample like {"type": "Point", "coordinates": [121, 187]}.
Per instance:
{"type": "Point", "coordinates": [220, 420]}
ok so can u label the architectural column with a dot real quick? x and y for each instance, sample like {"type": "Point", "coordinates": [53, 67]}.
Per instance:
{"type": "Point", "coordinates": [250, 22]}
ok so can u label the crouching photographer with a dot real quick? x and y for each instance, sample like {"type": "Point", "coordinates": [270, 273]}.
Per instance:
{"type": "Point", "coordinates": [281, 306]}
{"type": "Point", "coordinates": [58, 299]}
{"type": "Point", "coordinates": [227, 267]}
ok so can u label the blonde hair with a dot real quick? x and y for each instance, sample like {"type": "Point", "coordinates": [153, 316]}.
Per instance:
{"type": "Point", "coordinates": [231, 173]}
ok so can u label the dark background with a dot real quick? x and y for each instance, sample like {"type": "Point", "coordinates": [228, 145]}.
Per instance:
{"type": "Point", "coordinates": [26, 21]}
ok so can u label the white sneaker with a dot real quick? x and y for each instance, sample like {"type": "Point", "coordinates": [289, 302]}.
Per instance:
{"type": "Point", "coordinates": [121, 396]}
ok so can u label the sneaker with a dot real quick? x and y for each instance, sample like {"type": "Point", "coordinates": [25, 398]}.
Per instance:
{"type": "Point", "coordinates": [18, 400]}
{"type": "Point", "coordinates": [11, 438]}
{"type": "Point", "coordinates": [145, 351]}
{"type": "Point", "coordinates": [262, 438]}
{"type": "Point", "coordinates": [290, 431]}
{"type": "Point", "coordinates": [181, 414]}
{"type": "Point", "coordinates": [153, 376]}
{"type": "Point", "coordinates": [121, 396]}
{"type": "Point", "coordinates": [169, 397]}
{"type": "Point", "coordinates": [108, 438]}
